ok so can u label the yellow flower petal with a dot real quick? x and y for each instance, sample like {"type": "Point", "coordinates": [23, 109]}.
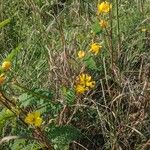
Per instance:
{"type": "Point", "coordinates": [90, 84]}
{"type": "Point", "coordinates": [95, 48]}
{"type": "Point", "coordinates": [104, 7]}
{"type": "Point", "coordinates": [6, 65]}
{"type": "Point", "coordinates": [2, 79]}
{"type": "Point", "coordinates": [84, 83]}
{"type": "Point", "coordinates": [36, 114]}
{"type": "Point", "coordinates": [38, 122]}
{"type": "Point", "coordinates": [87, 77]}
{"type": "Point", "coordinates": [103, 23]}
{"type": "Point", "coordinates": [34, 119]}
{"type": "Point", "coordinates": [143, 30]}
{"type": "Point", "coordinates": [81, 54]}
{"type": "Point", "coordinates": [80, 89]}
{"type": "Point", "coordinates": [82, 79]}
{"type": "Point", "coordinates": [29, 119]}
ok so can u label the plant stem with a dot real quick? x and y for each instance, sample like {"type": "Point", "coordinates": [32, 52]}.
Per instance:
{"type": "Point", "coordinates": [118, 27]}
{"type": "Point", "coordinates": [111, 37]}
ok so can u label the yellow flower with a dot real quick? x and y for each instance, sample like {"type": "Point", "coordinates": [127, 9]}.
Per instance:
{"type": "Point", "coordinates": [2, 78]}
{"type": "Point", "coordinates": [6, 65]}
{"type": "Point", "coordinates": [87, 80]}
{"type": "Point", "coordinates": [30, 119]}
{"type": "Point", "coordinates": [90, 84]}
{"type": "Point", "coordinates": [34, 119]}
{"type": "Point", "coordinates": [38, 122]}
{"type": "Point", "coordinates": [81, 54]}
{"type": "Point", "coordinates": [84, 83]}
{"type": "Point", "coordinates": [103, 23]}
{"type": "Point", "coordinates": [81, 79]}
{"type": "Point", "coordinates": [143, 30]}
{"type": "Point", "coordinates": [104, 7]}
{"type": "Point", "coordinates": [95, 48]}
{"type": "Point", "coordinates": [80, 89]}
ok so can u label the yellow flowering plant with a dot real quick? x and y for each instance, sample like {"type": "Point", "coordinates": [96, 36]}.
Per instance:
{"type": "Point", "coordinates": [104, 7]}
{"type": "Point", "coordinates": [81, 54]}
{"type": "Point", "coordinates": [95, 48]}
{"type": "Point", "coordinates": [2, 79]}
{"type": "Point", "coordinates": [84, 83]}
{"type": "Point", "coordinates": [34, 119]}
{"type": "Point", "coordinates": [143, 29]}
{"type": "Point", "coordinates": [6, 65]}
{"type": "Point", "coordinates": [103, 23]}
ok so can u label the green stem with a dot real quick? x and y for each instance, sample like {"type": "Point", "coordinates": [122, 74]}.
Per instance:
{"type": "Point", "coordinates": [111, 38]}
{"type": "Point", "coordinates": [118, 27]}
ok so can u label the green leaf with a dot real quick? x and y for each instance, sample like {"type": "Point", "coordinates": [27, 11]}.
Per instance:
{"type": "Point", "coordinates": [96, 28]}
{"type": "Point", "coordinates": [35, 97]}
{"type": "Point", "coordinates": [14, 53]}
{"type": "Point", "coordinates": [61, 136]}
{"type": "Point", "coordinates": [18, 144]}
{"type": "Point", "coordinates": [22, 144]}
{"type": "Point", "coordinates": [37, 93]}
{"type": "Point", "coordinates": [69, 95]}
{"type": "Point", "coordinates": [25, 100]}
{"type": "Point", "coordinates": [90, 63]}
{"type": "Point", "coordinates": [4, 23]}
{"type": "Point", "coordinates": [5, 115]}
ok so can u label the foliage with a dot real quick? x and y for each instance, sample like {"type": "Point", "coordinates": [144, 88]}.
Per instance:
{"type": "Point", "coordinates": [22, 144]}
{"type": "Point", "coordinates": [4, 23]}
{"type": "Point", "coordinates": [5, 115]}
{"type": "Point", "coordinates": [62, 136]}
